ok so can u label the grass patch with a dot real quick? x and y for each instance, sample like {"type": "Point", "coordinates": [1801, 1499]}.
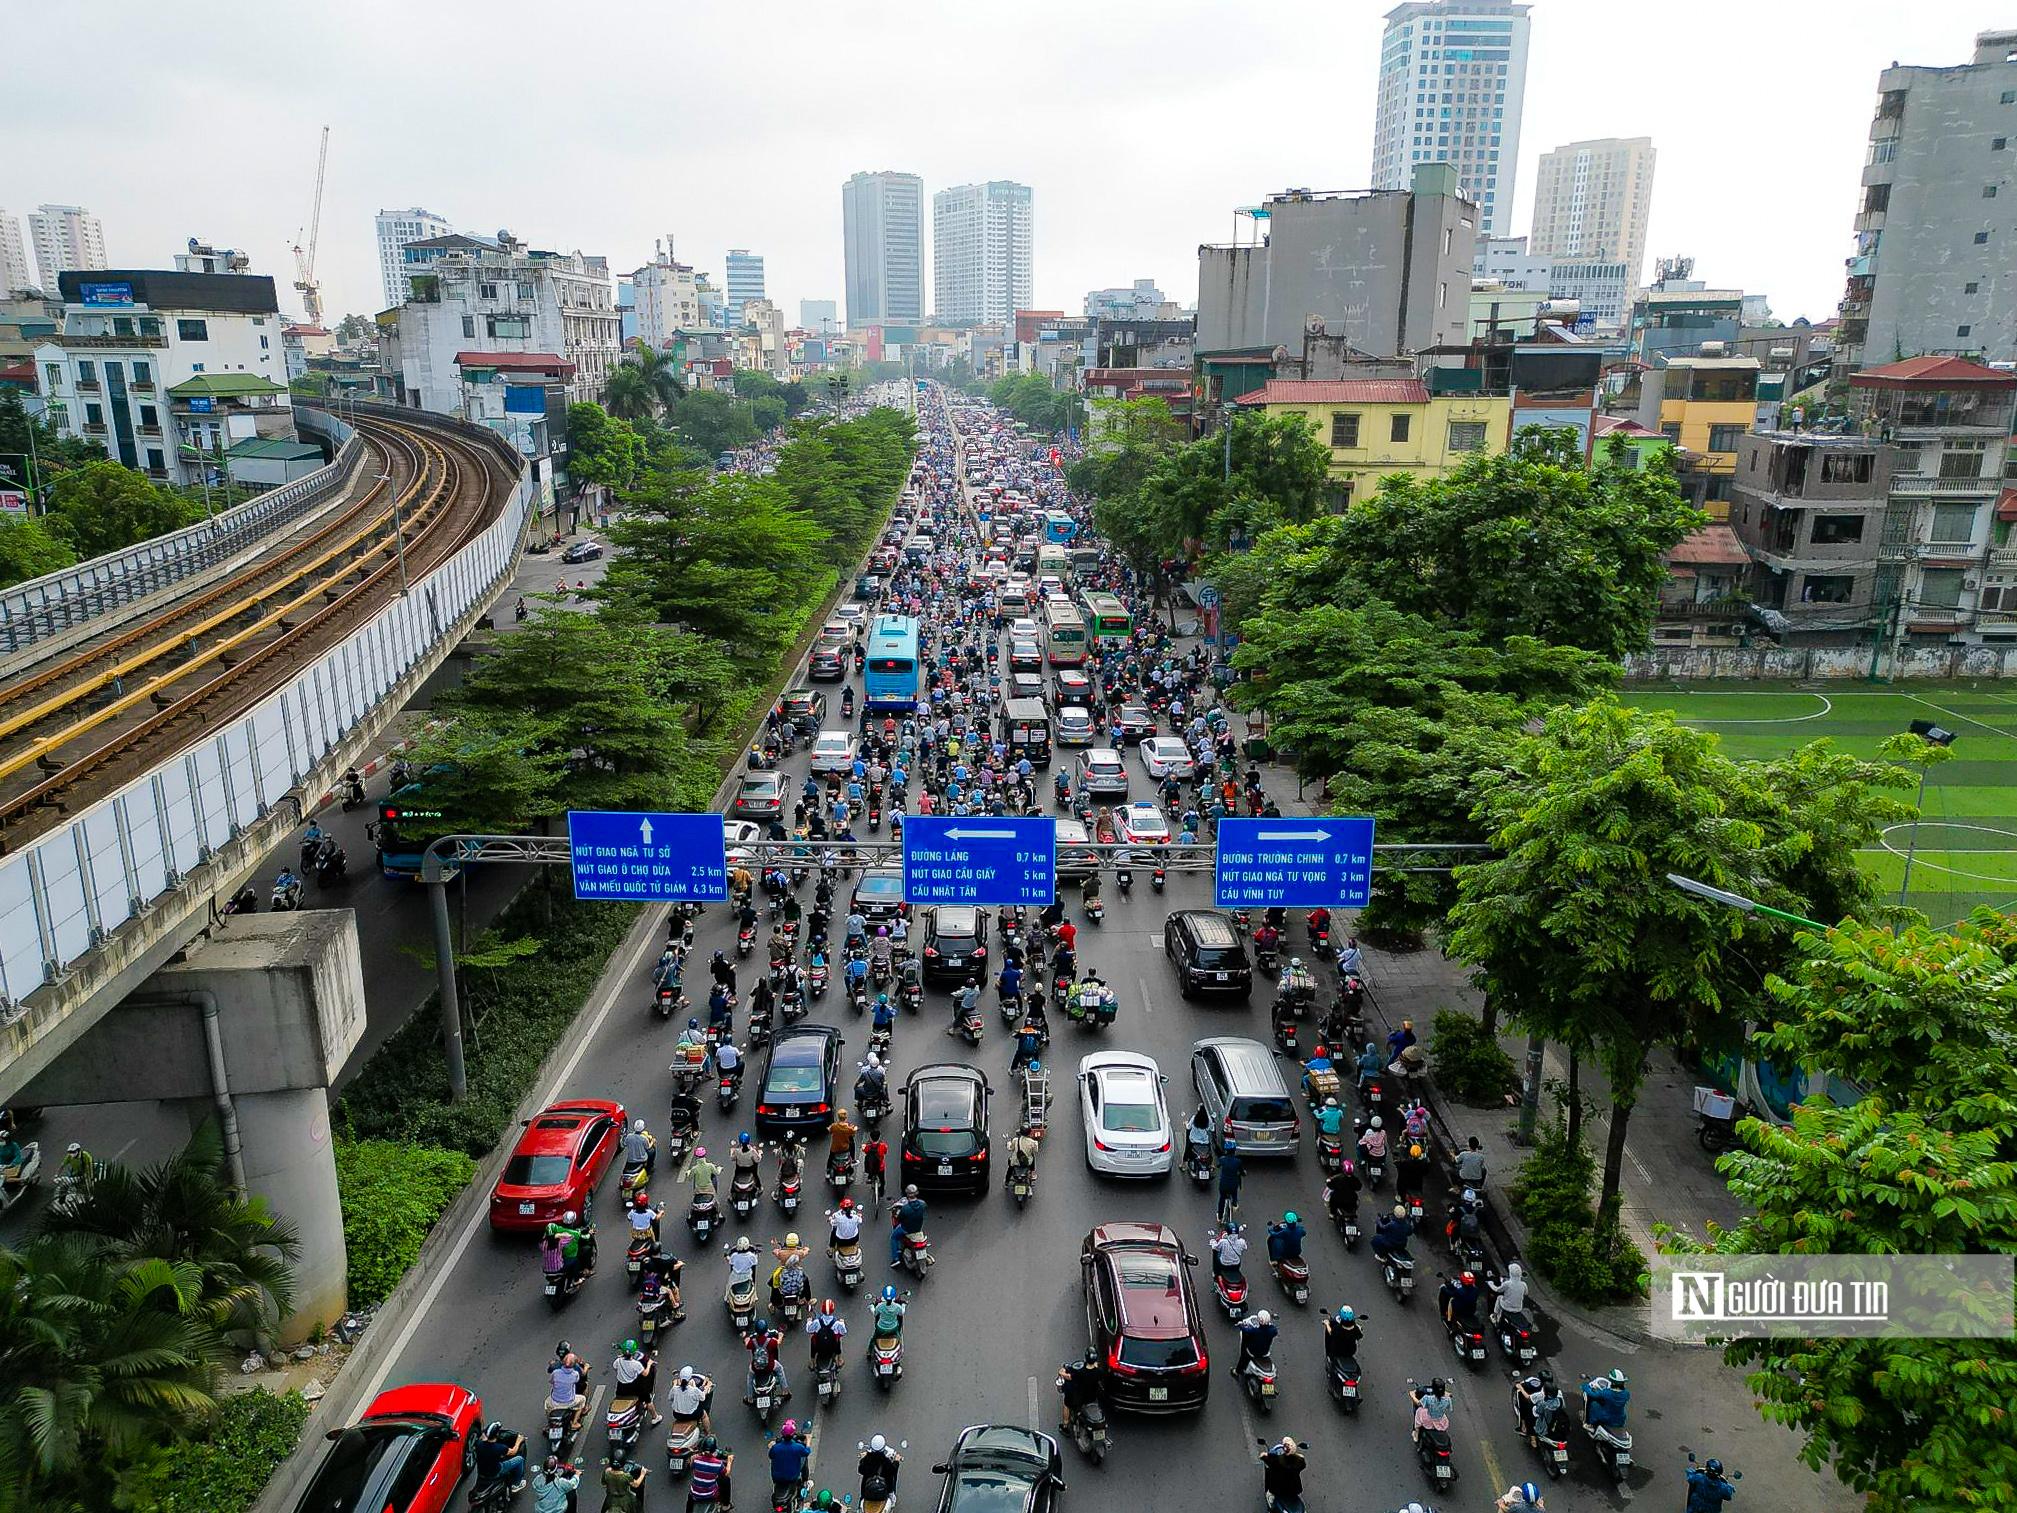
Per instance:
{"type": "Point", "coordinates": [392, 1196]}
{"type": "Point", "coordinates": [221, 1467]}
{"type": "Point", "coordinates": [1467, 1063]}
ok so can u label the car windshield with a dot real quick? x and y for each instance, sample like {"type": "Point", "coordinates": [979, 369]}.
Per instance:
{"type": "Point", "coordinates": [944, 1142]}
{"type": "Point", "coordinates": [978, 1490]}
{"type": "Point", "coordinates": [535, 1171]}
{"type": "Point", "coordinates": [871, 885]}
{"type": "Point", "coordinates": [1182, 1351]}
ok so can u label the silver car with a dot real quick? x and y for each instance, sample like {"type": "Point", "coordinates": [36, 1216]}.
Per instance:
{"type": "Point", "coordinates": [1102, 773]}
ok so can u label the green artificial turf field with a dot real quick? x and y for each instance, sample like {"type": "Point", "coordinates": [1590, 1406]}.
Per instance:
{"type": "Point", "coordinates": [1967, 852]}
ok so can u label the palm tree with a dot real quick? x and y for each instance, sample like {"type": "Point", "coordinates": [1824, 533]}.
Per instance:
{"type": "Point", "coordinates": [643, 385]}
{"type": "Point", "coordinates": [181, 1211]}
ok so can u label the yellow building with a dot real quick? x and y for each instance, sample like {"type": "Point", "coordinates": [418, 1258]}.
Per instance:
{"type": "Point", "coordinates": [1376, 426]}
{"type": "Point", "coordinates": [1704, 405]}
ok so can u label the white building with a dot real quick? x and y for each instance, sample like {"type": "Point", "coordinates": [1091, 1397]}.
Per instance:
{"type": "Point", "coordinates": [1142, 300]}
{"type": "Point", "coordinates": [395, 229]}
{"type": "Point", "coordinates": [14, 274]}
{"type": "Point", "coordinates": [65, 237]}
{"type": "Point", "coordinates": [476, 297]}
{"type": "Point", "coordinates": [667, 297]}
{"type": "Point", "coordinates": [882, 239]}
{"type": "Point", "coordinates": [1603, 289]}
{"type": "Point", "coordinates": [1591, 200]}
{"type": "Point", "coordinates": [981, 251]}
{"type": "Point", "coordinates": [152, 362]}
{"type": "Point", "coordinates": [1453, 74]}
{"type": "Point", "coordinates": [763, 323]}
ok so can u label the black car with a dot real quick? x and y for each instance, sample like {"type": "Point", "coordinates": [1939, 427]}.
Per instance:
{"type": "Point", "coordinates": [801, 1078]}
{"type": "Point", "coordinates": [1000, 1468]}
{"type": "Point", "coordinates": [805, 709]}
{"type": "Point", "coordinates": [582, 551]}
{"type": "Point", "coordinates": [867, 586]}
{"type": "Point", "coordinates": [945, 1130]}
{"type": "Point", "coordinates": [1025, 656]}
{"type": "Point", "coordinates": [878, 897]}
{"type": "Point", "coordinates": [1209, 953]}
{"type": "Point", "coordinates": [828, 662]}
{"type": "Point", "coordinates": [955, 944]}
{"type": "Point", "coordinates": [1137, 723]}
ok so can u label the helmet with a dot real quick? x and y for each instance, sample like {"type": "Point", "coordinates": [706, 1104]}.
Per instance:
{"type": "Point", "coordinates": [686, 1373]}
{"type": "Point", "coordinates": [882, 929]}
{"type": "Point", "coordinates": [873, 1059]}
{"type": "Point", "coordinates": [640, 1200]}
{"type": "Point", "coordinates": [1375, 1121]}
{"type": "Point", "coordinates": [742, 1242]}
{"type": "Point", "coordinates": [1330, 1103]}
{"type": "Point", "coordinates": [1290, 1217]}
{"type": "Point", "coordinates": [1415, 1152]}
{"type": "Point", "coordinates": [889, 1294]}
{"type": "Point", "coordinates": [637, 1125]}
{"type": "Point", "coordinates": [1530, 1494]}
{"type": "Point", "coordinates": [1512, 1270]}
{"type": "Point", "coordinates": [743, 1139]}
{"type": "Point", "coordinates": [878, 1443]}
{"type": "Point", "coordinates": [1345, 1315]}
{"type": "Point", "coordinates": [569, 1218]}
{"type": "Point", "coordinates": [910, 1190]}
{"type": "Point", "coordinates": [700, 1153]}
{"type": "Point", "coordinates": [1468, 1279]}
{"type": "Point", "coordinates": [790, 1428]}
{"type": "Point", "coordinates": [826, 1309]}
{"type": "Point", "coordinates": [1295, 961]}
{"type": "Point", "coordinates": [825, 1498]}
{"type": "Point", "coordinates": [847, 1205]}
{"type": "Point", "coordinates": [493, 1429]}
{"type": "Point", "coordinates": [1713, 1466]}
{"type": "Point", "coordinates": [72, 1149]}
{"type": "Point", "coordinates": [630, 1347]}
{"type": "Point", "coordinates": [707, 1442]}
{"type": "Point", "coordinates": [1438, 1385]}
{"type": "Point", "coordinates": [1470, 1195]}
{"type": "Point", "coordinates": [1232, 1147]}
{"type": "Point", "coordinates": [761, 1326]}
{"type": "Point", "coordinates": [1347, 1169]}
{"type": "Point", "coordinates": [1035, 1065]}
{"type": "Point", "coordinates": [1264, 1317]}
{"type": "Point", "coordinates": [791, 1240]}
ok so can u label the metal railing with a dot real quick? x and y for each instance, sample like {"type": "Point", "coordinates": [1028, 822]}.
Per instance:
{"type": "Point", "coordinates": [57, 602]}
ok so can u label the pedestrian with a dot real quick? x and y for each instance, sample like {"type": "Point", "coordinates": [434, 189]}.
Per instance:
{"type": "Point", "coordinates": [1231, 1169]}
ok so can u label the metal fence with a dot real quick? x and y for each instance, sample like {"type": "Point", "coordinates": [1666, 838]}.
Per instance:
{"type": "Point", "coordinates": [60, 601]}
{"type": "Point", "coordinates": [64, 894]}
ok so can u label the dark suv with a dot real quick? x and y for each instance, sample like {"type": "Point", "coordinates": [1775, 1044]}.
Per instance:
{"type": "Point", "coordinates": [955, 944]}
{"type": "Point", "coordinates": [805, 710]}
{"type": "Point", "coordinates": [1209, 953]}
{"type": "Point", "coordinates": [1143, 1318]}
{"type": "Point", "coordinates": [878, 896]}
{"type": "Point", "coordinates": [945, 1130]}
{"type": "Point", "coordinates": [828, 662]}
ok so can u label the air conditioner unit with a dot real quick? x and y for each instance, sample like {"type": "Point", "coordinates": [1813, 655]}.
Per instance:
{"type": "Point", "coordinates": [1969, 584]}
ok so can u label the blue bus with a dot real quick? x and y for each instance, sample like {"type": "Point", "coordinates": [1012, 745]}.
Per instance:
{"type": "Point", "coordinates": [1058, 526]}
{"type": "Point", "coordinates": [407, 822]}
{"type": "Point", "coordinates": [889, 675]}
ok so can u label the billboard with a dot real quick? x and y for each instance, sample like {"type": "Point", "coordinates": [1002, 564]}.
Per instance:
{"type": "Point", "coordinates": [106, 294]}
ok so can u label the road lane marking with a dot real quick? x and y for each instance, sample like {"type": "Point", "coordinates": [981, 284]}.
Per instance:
{"type": "Point", "coordinates": [480, 1212]}
{"type": "Point", "coordinates": [1033, 1424]}
{"type": "Point", "coordinates": [1142, 987]}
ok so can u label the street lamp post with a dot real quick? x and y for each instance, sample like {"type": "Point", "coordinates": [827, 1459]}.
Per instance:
{"type": "Point", "coordinates": [1739, 902]}
{"type": "Point", "coordinates": [1933, 735]}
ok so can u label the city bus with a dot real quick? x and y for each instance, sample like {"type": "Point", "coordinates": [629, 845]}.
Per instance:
{"type": "Point", "coordinates": [1059, 526]}
{"type": "Point", "coordinates": [1064, 634]}
{"type": "Point", "coordinates": [408, 822]}
{"type": "Point", "coordinates": [1052, 562]}
{"type": "Point", "coordinates": [889, 675]}
{"type": "Point", "coordinates": [1108, 621]}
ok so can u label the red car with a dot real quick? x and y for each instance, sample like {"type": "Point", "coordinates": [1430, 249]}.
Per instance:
{"type": "Point", "coordinates": [404, 1456]}
{"type": "Point", "coordinates": [561, 1156]}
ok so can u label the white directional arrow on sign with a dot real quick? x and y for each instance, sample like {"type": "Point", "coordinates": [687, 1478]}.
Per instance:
{"type": "Point", "coordinates": [956, 834]}
{"type": "Point", "coordinates": [644, 827]}
{"type": "Point", "coordinates": [1293, 835]}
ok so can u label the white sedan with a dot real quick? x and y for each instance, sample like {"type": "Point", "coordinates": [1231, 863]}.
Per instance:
{"type": "Point", "coordinates": [1143, 824]}
{"type": "Point", "coordinates": [1166, 756]}
{"type": "Point", "coordinates": [1126, 1121]}
{"type": "Point", "coordinates": [740, 835]}
{"type": "Point", "coordinates": [833, 751]}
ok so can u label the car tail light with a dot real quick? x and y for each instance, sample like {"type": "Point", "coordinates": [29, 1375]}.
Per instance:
{"type": "Point", "coordinates": [1163, 1149]}
{"type": "Point", "coordinates": [1119, 1367]}
{"type": "Point", "coordinates": [1101, 1145]}
{"type": "Point", "coordinates": [822, 1108]}
{"type": "Point", "coordinates": [930, 951]}
{"type": "Point", "coordinates": [1229, 1124]}
{"type": "Point", "coordinates": [766, 1108]}
{"type": "Point", "coordinates": [1198, 1367]}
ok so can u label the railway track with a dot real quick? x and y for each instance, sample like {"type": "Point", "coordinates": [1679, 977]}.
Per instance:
{"type": "Point", "coordinates": [72, 729]}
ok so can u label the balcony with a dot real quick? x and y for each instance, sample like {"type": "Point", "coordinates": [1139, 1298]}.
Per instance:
{"type": "Point", "coordinates": [94, 428]}
{"type": "Point", "coordinates": [141, 385]}
{"type": "Point", "coordinates": [87, 386]}
{"type": "Point", "coordinates": [116, 343]}
{"type": "Point", "coordinates": [1729, 607]}
{"type": "Point", "coordinates": [1926, 483]}
{"type": "Point", "coordinates": [2003, 556]}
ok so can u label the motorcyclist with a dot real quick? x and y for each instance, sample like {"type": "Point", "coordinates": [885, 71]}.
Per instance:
{"type": "Point", "coordinates": [1509, 1294]}
{"type": "Point", "coordinates": [1298, 983]}
{"type": "Point", "coordinates": [840, 1140]}
{"type": "Point", "coordinates": [1463, 1218]}
{"type": "Point", "coordinates": [1341, 1192]}
{"type": "Point", "coordinates": [701, 1172]}
{"type": "Point", "coordinates": [1392, 1233]}
{"type": "Point", "coordinates": [1318, 1064]}
{"type": "Point", "coordinates": [766, 1359]}
{"type": "Point", "coordinates": [1009, 985]}
{"type": "Point", "coordinates": [1021, 1154]}
{"type": "Point", "coordinates": [882, 1016]}
{"type": "Point", "coordinates": [644, 1218]}
{"type": "Point", "coordinates": [1458, 1300]}
{"type": "Point", "coordinates": [1432, 1408]}
{"type": "Point", "coordinates": [1604, 1400]}
{"type": "Point", "coordinates": [1258, 1333]}
{"type": "Point", "coordinates": [78, 1168]}
{"type": "Point", "coordinates": [1282, 1468]}
{"type": "Point", "coordinates": [1471, 1164]}
{"type": "Point", "coordinates": [1285, 1238]}
{"type": "Point", "coordinates": [689, 1396]}
{"type": "Point", "coordinates": [1524, 1498]}
{"type": "Point", "coordinates": [578, 1242]}
{"type": "Point", "coordinates": [871, 1083]}
{"type": "Point", "coordinates": [1708, 1490]}
{"type": "Point", "coordinates": [1331, 1119]}
{"type": "Point", "coordinates": [564, 1377]}
{"type": "Point", "coordinates": [1369, 1065]}
{"type": "Point", "coordinates": [1080, 1383]}
{"type": "Point", "coordinates": [1267, 939]}
{"type": "Point", "coordinates": [844, 1223]}
{"type": "Point", "coordinates": [622, 1481]}
{"type": "Point", "coordinates": [728, 1061]}
{"type": "Point", "coordinates": [788, 1457]}
{"type": "Point", "coordinates": [788, 1279]}
{"type": "Point", "coordinates": [880, 949]}
{"type": "Point", "coordinates": [1229, 1249]}
{"type": "Point", "coordinates": [855, 974]}
{"type": "Point", "coordinates": [635, 1371]}
{"type": "Point", "coordinates": [825, 1330]}
{"type": "Point", "coordinates": [500, 1456]}
{"type": "Point", "coordinates": [878, 1470]}
{"type": "Point", "coordinates": [1198, 1136]}
{"type": "Point", "coordinates": [1343, 1334]}
{"type": "Point", "coordinates": [1536, 1401]}
{"type": "Point", "coordinates": [1373, 1143]}
{"type": "Point", "coordinates": [746, 1160]}
{"type": "Point", "coordinates": [639, 1149]}
{"type": "Point", "coordinates": [554, 1486]}
{"type": "Point", "coordinates": [906, 1218]}
{"type": "Point", "coordinates": [966, 1002]}
{"type": "Point", "coordinates": [1411, 1169]}
{"type": "Point", "coordinates": [889, 1312]}
{"type": "Point", "coordinates": [1029, 1046]}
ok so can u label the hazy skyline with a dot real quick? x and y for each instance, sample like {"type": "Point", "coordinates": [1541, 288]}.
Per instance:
{"type": "Point", "coordinates": [1139, 129]}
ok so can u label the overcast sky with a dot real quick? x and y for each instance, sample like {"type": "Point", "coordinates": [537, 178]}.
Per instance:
{"type": "Point", "coordinates": [1138, 125]}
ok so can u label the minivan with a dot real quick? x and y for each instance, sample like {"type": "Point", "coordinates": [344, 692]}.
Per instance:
{"type": "Point", "coordinates": [1241, 1087]}
{"type": "Point", "coordinates": [1025, 726]}
{"type": "Point", "coordinates": [1209, 953]}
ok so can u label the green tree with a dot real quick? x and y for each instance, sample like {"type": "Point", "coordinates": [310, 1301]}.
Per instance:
{"type": "Point", "coordinates": [1922, 1022]}
{"type": "Point", "coordinates": [644, 384]}
{"type": "Point", "coordinates": [1528, 543]}
{"type": "Point", "coordinates": [713, 422]}
{"type": "Point", "coordinates": [353, 329]}
{"type": "Point", "coordinates": [181, 1211]}
{"type": "Point", "coordinates": [27, 550]}
{"type": "Point", "coordinates": [1573, 926]}
{"type": "Point", "coordinates": [1219, 491]}
{"type": "Point", "coordinates": [603, 450]}
{"type": "Point", "coordinates": [102, 507]}
{"type": "Point", "coordinates": [493, 773]}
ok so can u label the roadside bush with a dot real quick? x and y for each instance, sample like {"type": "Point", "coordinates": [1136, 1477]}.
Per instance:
{"type": "Point", "coordinates": [1585, 1254]}
{"type": "Point", "coordinates": [402, 1094]}
{"type": "Point", "coordinates": [224, 1466]}
{"type": "Point", "coordinates": [1466, 1060]}
{"type": "Point", "coordinates": [392, 1194]}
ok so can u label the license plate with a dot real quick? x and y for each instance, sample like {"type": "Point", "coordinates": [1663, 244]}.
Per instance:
{"type": "Point", "coordinates": [1624, 1460]}
{"type": "Point", "coordinates": [525, 1208]}
{"type": "Point", "coordinates": [1159, 1394]}
{"type": "Point", "coordinates": [884, 1368]}
{"type": "Point", "coordinates": [945, 1168]}
{"type": "Point", "coordinates": [762, 1401]}
{"type": "Point", "coordinates": [1263, 1136]}
{"type": "Point", "coordinates": [552, 1288]}
{"type": "Point", "coordinates": [1561, 1456]}
{"type": "Point", "coordinates": [953, 961]}
{"type": "Point", "coordinates": [1267, 1389]}
{"type": "Point", "coordinates": [1348, 1390]}
{"type": "Point", "coordinates": [1222, 977]}
{"type": "Point", "coordinates": [1443, 1473]}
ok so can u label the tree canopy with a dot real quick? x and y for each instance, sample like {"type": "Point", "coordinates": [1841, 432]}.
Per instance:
{"type": "Point", "coordinates": [103, 506]}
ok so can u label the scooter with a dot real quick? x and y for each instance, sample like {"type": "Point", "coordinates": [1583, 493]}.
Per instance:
{"type": "Point", "coordinates": [1230, 1289]}
{"type": "Point", "coordinates": [816, 976]}
{"type": "Point", "coordinates": [972, 1026]}
{"type": "Point", "coordinates": [285, 896]}
{"type": "Point", "coordinates": [766, 1398]}
{"type": "Point", "coordinates": [624, 1422]}
{"type": "Point", "coordinates": [558, 1283]}
{"type": "Point", "coordinates": [1515, 1334]}
{"type": "Point", "coordinates": [1614, 1446]}
{"type": "Point", "coordinates": [788, 1192]}
{"type": "Point", "coordinates": [744, 1193]}
{"type": "Point", "coordinates": [840, 1171]}
{"type": "Point", "coordinates": [1096, 911]}
{"type": "Point", "coordinates": [1090, 1432]}
{"type": "Point", "coordinates": [885, 1359]}
{"type": "Point", "coordinates": [728, 1090]}
{"type": "Point", "coordinates": [668, 1000]}
{"type": "Point", "coordinates": [702, 1215]}
{"type": "Point", "coordinates": [916, 1254]}
{"type": "Point", "coordinates": [682, 1441]}
{"type": "Point", "coordinates": [740, 1299]}
{"type": "Point", "coordinates": [1432, 1454]}
{"type": "Point", "coordinates": [560, 1431]}
{"type": "Point", "coordinates": [1011, 1007]}
{"type": "Point", "coordinates": [641, 1249]}
{"type": "Point", "coordinates": [1198, 1162]}
{"type": "Point", "coordinates": [1467, 1341]}
{"type": "Point", "coordinates": [18, 1186]}
{"type": "Point", "coordinates": [847, 1264]}
{"type": "Point", "coordinates": [1258, 1381]}
{"type": "Point", "coordinates": [826, 1380]}
{"type": "Point", "coordinates": [1397, 1270]}
{"type": "Point", "coordinates": [1348, 1226]}
{"type": "Point", "coordinates": [331, 866]}
{"type": "Point", "coordinates": [1330, 1151]}
{"type": "Point", "coordinates": [1342, 1375]}
{"type": "Point", "coordinates": [1550, 1440]}
{"type": "Point", "coordinates": [1293, 1272]}
{"type": "Point", "coordinates": [745, 940]}
{"type": "Point", "coordinates": [1022, 1181]}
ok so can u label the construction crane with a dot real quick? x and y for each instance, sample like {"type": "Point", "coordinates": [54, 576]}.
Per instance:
{"type": "Point", "coordinates": [304, 262]}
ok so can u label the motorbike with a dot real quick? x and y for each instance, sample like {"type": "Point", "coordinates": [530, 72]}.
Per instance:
{"type": "Point", "coordinates": [1158, 877]}
{"type": "Point", "coordinates": [1021, 1183]}
{"type": "Point", "coordinates": [744, 1193]}
{"type": "Point", "coordinates": [972, 1026]}
{"type": "Point", "coordinates": [1198, 1162]}
{"type": "Point", "coordinates": [767, 1398]}
{"type": "Point", "coordinates": [1090, 1432]}
{"type": "Point", "coordinates": [18, 1186]}
{"type": "Point", "coordinates": [1330, 1151]}
{"type": "Point", "coordinates": [560, 1431]}
{"type": "Point", "coordinates": [624, 1422]}
{"type": "Point", "coordinates": [791, 1003]}
{"type": "Point", "coordinates": [792, 1305]}
{"type": "Point", "coordinates": [916, 1255]}
{"type": "Point", "coordinates": [558, 1283]}
{"type": "Point", "coordinates": [1286, 1034]}
{"type": "Point", "coordinates": [874, 1105]}
{"type": "Point", "coordinates": [1258, 1381]}
{"type": "Point", "coordinates": [1096, 1007]}
{"type": "Point", "coordinates": [1348, 1226]}
{"type": "Point", "coordinates": [1293, 1272]}
{"type": "Point", "coordinates": [1515, 1334]}
{"type": "Point", "coordinates": [668, 1000]}
{"type": "Point", "coordinates": [1342, 1375]}
{"type": "Point", "coordinates": [1011, 1007]}
{"type": "Point", "coordinates": [788, 1192]}
{"type": "Point", "coordinates": [745, 940]}
{"type": "Point", "coordinates": [816, 977]}
{"type": "Point", "coordinates": [1230, 1291]}
{"type": "Point", "coordinates": [1614, 1446]}
{"type": "Point", "coordinates": [679, 1133]}
{"type": "Point", "coordinates": [285, 896]}
{"type": "Point", "coordinates": [330, 867]}
{"type": "Point", "coordinates": [656, 1313]}
{"type": "Point", "coordinates": [1467, 1341]}
{"type": "Point", "coordinates": [353, 792]}
{"type": "Point", "coordinates": [1397, 1270]}
{"type": "Point", "coordinates": [702, 1215]}
{"type": "Point", "coordinates": [682, 1441]}
{"type": "Point", "coordinates": [1716, 1116]}
{"type": "Point", "coordinates": [840, 1171]}
{"type": "Point", "coordinates": [740, 1299]}
{"type": "Point", "coordinates": [857, 997]}
{"type": "Point", "coordinates": [1432, 1454]}
{"type": "Point", "coordinates": [885, 1358]}
{"type": "Point", "coordinates": [760, 1030]}
{"type": "Point", "coordinates": [826, 1380]}
{"type": "Point", "coordinates": [1267, 960]}
{"type": "Point", "coordinates": [728, 1089]}
{"type": "Point", "coordinates": [847, 1264]}
{"type": "Point", "coordinates": [1096, 911]}
{"type": "Point", "coordinates": [1550, 1439]}
{"type": "Point", "coordinates": [641, 1250]}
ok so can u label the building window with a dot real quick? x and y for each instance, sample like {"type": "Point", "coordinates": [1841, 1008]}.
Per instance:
{"type": "Point", "coordinates": [1344, 430]}
{"type": "Point", "coordinates": [1397, 429]}
{"type": "Point", "coordinates": [469, 327]}
{"type": "Point", "coordinates": [1940, 588]}
{"type": "Point", "coordinates": [1953, 524]}
{"type": "Point", "coordinates": [1671, 429]}
{"type": "Point", "coordinates": [2000, 593]}
{"type": "Point", "coordinates": [525, 291]}
{"type": "Point", "coordinates": [149, 326]}
{"type": "Point", "coordinates": [1988, 191]}
{"type": "Point", "coordinates": [87, 372]}
{"type": "Point", "coordinates": [156, 462]}
{"type": "Point", "coordinates": [1724, 438]}
{"type": "Point", "coordinates": [192, 330]}
{"type": "Point", "coordinates": [1853, 467]}
{"type": "Point", "coordinates": [265, 343]}
{"type": "Point", "coordinates": [486, 291]}
{"type": "Point", "coordinates": [53, 372]}
{"type": "Point", "coordinates": [509, 327]}
{"type": "Point", "coordinates": [1997, 144]}
{"type": "Point", "coordinates": [1973, 286]}
{"type": "Point", "coordinates": [1827, 588]}
{"type": "Point", "coordinates": [2009, 97]}
{"type": "Point", "coordinates": [149, 416]}
{"type": "Point", "coordinates": [122, 325]}
{"type": "Point", "coordinates": [1981, 238]}
{"type": "Point", "coordinates": [1963, 330]}
{"type": "Point", "coordinates": [1837, 530]}
{"type": "Point", "coordinates": [1467, 435]}
{"type": "Point", "coordinates": [1961, 459]}
{"type": "Point", "coordinates": [94, 415]}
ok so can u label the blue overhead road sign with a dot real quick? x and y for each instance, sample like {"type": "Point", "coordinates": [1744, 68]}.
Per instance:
{"type": "Point", "coordinates": [979, 860]}
{"type": "Point", "coordinates": [1321, 862]}
{"type": "Point", "coordinates": [647, 858]}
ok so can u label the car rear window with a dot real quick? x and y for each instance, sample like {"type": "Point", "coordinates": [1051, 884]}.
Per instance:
{"type": "Point", "coordinates": [1219, 957]}
{"type": "Point", "coordinates": [536, 1171]}
{"type": "Point", "coordinates": [793, 1079]}
{"type": "Point", "coordinates": [1182, 1351]}
{"type": "Point", "coordinates": [1129, 1118]}
{"type": "Point", "coordinates": [934, 1141]}
{"type": "Point", "coordinates": [1263, 1110]}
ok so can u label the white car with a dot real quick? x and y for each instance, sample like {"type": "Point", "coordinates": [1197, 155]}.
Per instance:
{"type": "Point", "coordinates": [851, 613]}
{"type": "Point", "coordinates": [1166, 756]}
{"type": "Point", "coordinates": [833, 751]}
{"type": "Point", "coordinates": [740, 834]}
{"type": "Point", "coordinates": [1126, 1120]}
{"type": "Point", "coordinates": [1024, 629]}
{"type": "Point", "coordinates": [1143, 824]}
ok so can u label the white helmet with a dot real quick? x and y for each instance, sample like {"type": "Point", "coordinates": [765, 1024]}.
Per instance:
{"type": "Point", "coordinates": [1376, 1121]}
{"type": "Point", "coordinates": [638, 1125]}
{"type": "Point", "coordinates": [1264, 1317]}
{"type": "Point", "coordinates": [874, 1060]}
{"type": "Point", "coordinates": [685, 1372]}
{"type": "Point", "coordinates": [878, 1444]}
